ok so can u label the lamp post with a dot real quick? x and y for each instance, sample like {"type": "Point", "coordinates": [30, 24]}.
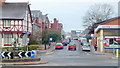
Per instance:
{"type": "Point", "coordinates": [45, 38]}
{"type": "Point", "coordinates": [113, 46]}
{"type": "Point", "coordinates": [27, 33]}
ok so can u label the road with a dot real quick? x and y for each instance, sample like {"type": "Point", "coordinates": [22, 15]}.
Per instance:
{"type": "Point", "coordinates": [64, 57]}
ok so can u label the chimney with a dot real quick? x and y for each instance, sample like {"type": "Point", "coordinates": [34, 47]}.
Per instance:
{"type": "Point", "coordinates": [55, 20]}
{"type": "Point", "coordinates": [2, 2]}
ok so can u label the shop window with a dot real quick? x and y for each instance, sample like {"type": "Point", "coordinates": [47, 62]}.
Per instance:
{"type": "Point", "coordinates": [111, 32]}
{"type": "Point", "coordinates": [115, 41]}
{"type": "Point", "coordinates": [111, 41]}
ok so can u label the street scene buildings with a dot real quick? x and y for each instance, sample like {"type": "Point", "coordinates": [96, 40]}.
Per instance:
{"type": "Point", "coordinates": [32, 37]}
{"type": "Point", "coordinates": [15, 22]}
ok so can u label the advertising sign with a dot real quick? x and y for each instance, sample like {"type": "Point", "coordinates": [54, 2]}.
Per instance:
{"type": "Point", "coordinates": [112, 43]}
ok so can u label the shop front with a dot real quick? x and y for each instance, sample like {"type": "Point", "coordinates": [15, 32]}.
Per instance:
{"type": "Point", "coordinates": [108, 38]}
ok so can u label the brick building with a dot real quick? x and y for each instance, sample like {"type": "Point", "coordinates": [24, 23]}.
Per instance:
{"type": "Point", "coordinates": [56, 26]}
{"type": "Point", "coordinates": [108, 32]}
{"type": "Point", "coordinates": [37, 24]}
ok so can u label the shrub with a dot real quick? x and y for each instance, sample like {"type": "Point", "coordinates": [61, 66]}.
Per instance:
{"type": "Point", "coordinates": [30, 47]}
{"type": "Point", "coordinates": [33, 47]}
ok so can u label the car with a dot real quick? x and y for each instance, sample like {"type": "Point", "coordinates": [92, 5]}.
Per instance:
{"type": "Point", "coordinates": [59, 46]}
{"type": "Point", "coordinates": [83, 42]}
{"type": "Point", "coordinates": [72, 46]}
{"type": "Point", "coordinates": [65, 42]}
{"type": "Point", "coordinates": [86, 47]}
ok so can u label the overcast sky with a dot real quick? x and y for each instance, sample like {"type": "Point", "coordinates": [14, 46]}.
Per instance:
{"type": "Point", "coordinates": [68, 12]}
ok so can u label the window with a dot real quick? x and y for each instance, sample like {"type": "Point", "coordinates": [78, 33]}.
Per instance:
{"type": "Point", "coordinates": [6, 23]}
{"type": "Point", "coordinates": [111, 32]}
{"type": "Point", "coordinates": [12, 22]}
{"type": "Point", "coordinates": [20, 22]}
{"type": "Point", "coordinates": [0, 22]}
{"type": "Point", "coordinates": [7, 38]}
{"type": "Point", "coordinates": [111, 41]}
{"type": "Point", "coordinates": [116, 40]}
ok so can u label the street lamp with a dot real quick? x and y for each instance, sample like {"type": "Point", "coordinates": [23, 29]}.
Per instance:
{"type": "Point", "coordinates": [45, 41]}
{"type": "Point", "coordinates": [33, 28]}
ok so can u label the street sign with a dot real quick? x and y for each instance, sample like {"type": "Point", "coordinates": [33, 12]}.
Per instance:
{"type": "Point", "coordinates": [27, 33]}
{"type": "Point", "coordinates": [3, 55]}
{"type": "Point", "coordinates": [92, 35]}
{"type": "Point", "coordinates": [24, 54]}
{"type": "Point", "coordinates": [19, 54]}
{"type": "Point", "coordinates": [33, 54]}
{"type": "Point", "coordinates": [0, 55]}
{"type": "Point", "coordinates": [7, 54]}
{"type": "Point", "coordinates": [50, 39]}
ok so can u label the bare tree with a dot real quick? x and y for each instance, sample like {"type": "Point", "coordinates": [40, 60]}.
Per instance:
{"type": "Point", "coordinates": [97, 13]}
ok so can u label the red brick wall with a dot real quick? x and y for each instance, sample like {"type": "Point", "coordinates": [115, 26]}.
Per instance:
{"type": "Point", "coordinates": [56, 26]}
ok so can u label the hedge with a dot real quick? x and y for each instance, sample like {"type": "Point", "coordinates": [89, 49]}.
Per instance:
{"type": "Point", "coordinates": [30, 47]}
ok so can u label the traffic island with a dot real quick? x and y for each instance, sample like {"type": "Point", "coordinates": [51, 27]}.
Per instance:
{"type": "Point", "coordinates": [23, 61]}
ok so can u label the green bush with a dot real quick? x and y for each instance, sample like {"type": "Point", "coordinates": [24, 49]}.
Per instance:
{"type": "Point", "coordinates": [32, 47]}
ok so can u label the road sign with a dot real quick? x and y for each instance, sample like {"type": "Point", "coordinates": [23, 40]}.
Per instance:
{"type": "Point", "coordinates": [19, 54]}
{"type": "Point", "coordinates": [3, 55]}
{"type": "Point", "coordinates": [0, 55]}
{"type": "Point", "coordinates": [7, 54]}
{"type": "Point", "coordinates": [27, 33]}
{"type": "Point", "coordinates": [24, 54]}
{"type": "Point", "coordinates": [33, 54]}
{"type": "Point", "coordinates": [50, 39]}
{"type": "Point", "coordinates": [92, 35]}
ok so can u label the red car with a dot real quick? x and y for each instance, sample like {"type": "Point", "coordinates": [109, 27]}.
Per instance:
{"type": "Point", "coordinates": [71, 46]}
{"type": "Point", "coordinates": [59, 46]}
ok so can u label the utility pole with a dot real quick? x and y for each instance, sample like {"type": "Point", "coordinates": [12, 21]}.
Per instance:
{"type": "Point", "coordinates": [45, 38]}
{"type": "Point", "coordinates": [27, 30]}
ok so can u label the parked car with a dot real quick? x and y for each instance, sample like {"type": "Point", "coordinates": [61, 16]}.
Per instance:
{"type": "Point", "coordinates": [86, 46]}
{"type": "Point", "coordinates": [72, 46]}
{"type": "Point", "coordinates": [59, 46]}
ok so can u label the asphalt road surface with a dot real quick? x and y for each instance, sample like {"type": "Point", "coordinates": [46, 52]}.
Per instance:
{"type": "Point", "coordinates": [64, 57]}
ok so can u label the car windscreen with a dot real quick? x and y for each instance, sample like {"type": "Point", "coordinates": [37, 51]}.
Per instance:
{"type": "Point", "coordinates": [72, 44]}
{"type": "Point", "coordinates": [84, 41]}
{"type": "Point", "coordinates": [87, 45]}
{"type": "Point", "coordinates": [58, 44]}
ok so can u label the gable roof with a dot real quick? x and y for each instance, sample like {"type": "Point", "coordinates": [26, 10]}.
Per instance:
{"type": "Point", "coordinates": [105, 21]}
{"type": "Point", "coordinates": [90, 29]}
{"type": "Point", "coordinates": [36, 14]}
{"type": "Point", "coordinates": [13, 10]}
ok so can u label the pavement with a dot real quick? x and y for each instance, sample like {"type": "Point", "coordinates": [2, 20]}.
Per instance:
{"type": "Point", "coordinates": [50, 50]}
{"type": "Point", "coordinates": [102, 54]}
{"type": "Point", "coordinates": [108, 55]}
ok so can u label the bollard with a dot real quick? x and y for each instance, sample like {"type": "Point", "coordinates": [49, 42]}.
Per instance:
{"type": "Point", "coordinates": [117, 52]}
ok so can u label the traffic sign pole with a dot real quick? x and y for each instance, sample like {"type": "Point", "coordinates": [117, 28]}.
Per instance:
{"type": "Point", "coordinates": [117, 52]}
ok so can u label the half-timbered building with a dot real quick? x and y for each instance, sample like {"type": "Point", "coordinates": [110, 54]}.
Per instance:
{"type": "Point", "coordinates": [15, 23]}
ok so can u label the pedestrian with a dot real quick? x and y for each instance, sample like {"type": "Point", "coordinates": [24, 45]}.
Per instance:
{"type": "Point", "coordinates": [95, 46]}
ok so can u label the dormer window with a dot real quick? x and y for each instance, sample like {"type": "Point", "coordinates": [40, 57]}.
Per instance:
{"type": "Point", "coordinates": [6, 23]}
